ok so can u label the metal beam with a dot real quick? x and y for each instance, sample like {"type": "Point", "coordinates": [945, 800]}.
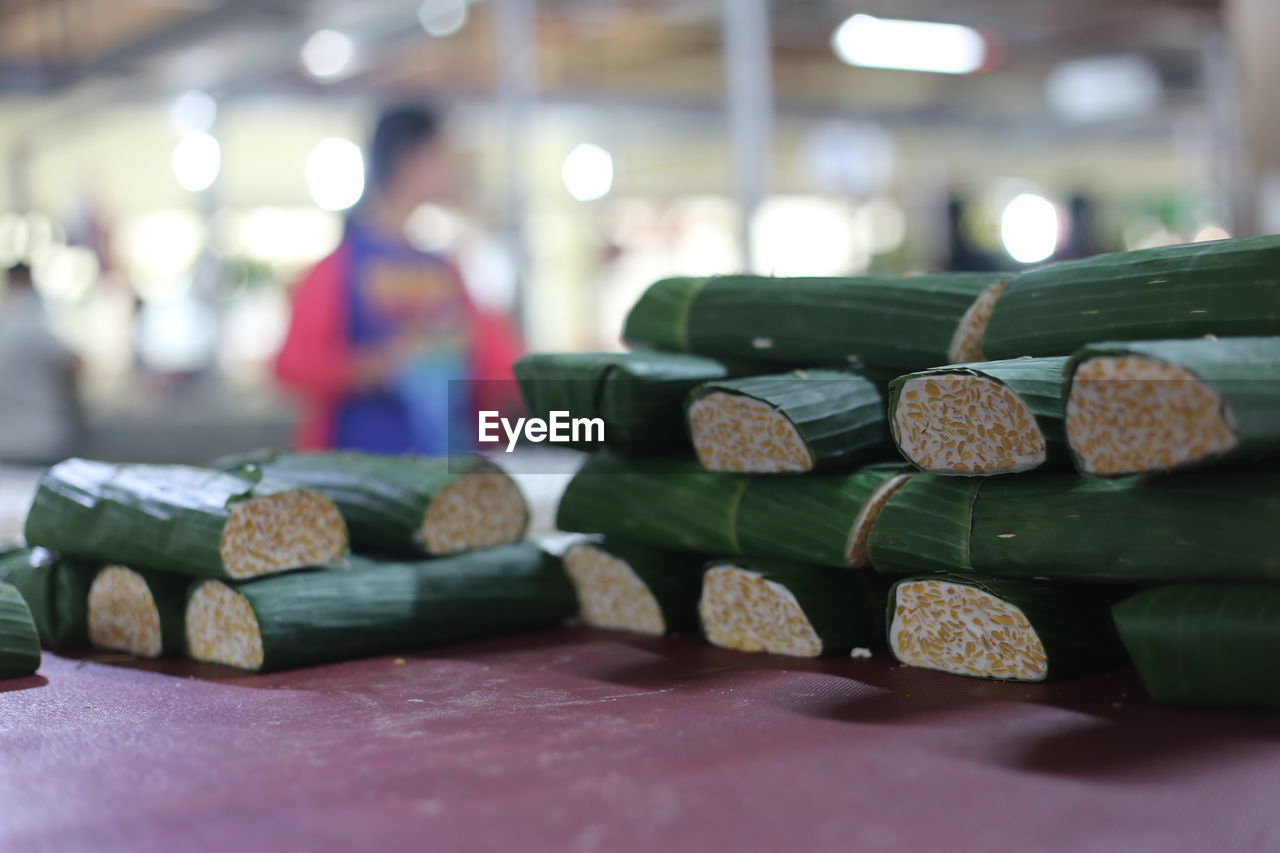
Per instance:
{"type": "Point", "coordinates": [749, 90]}
{"type": "Point", "coordinates": [21, 78]}
{"type": "Point", "coordinates": [173, 36]}
{"type": "Point", "coordinates": [1253, 27]}
{"type": "Point", "coordinates": [515, 22]}
{"type": "Point", "coordinates": [18, 166]}
{"type": "Point", "coordinates": [1224, 151]}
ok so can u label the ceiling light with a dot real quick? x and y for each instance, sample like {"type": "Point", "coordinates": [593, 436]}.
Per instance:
{"type": "Point", "coordinates": [909, 45]}
{"type": "Point", "coordinates": [328, 53]}
{"type": "Point", "coordinates": [335, 174]}
{"type": "Point", "coordinates": [1099, 88]}
{"type": "Point", "coordinates": [587, 172]}
{"type": "Point", "coordinates": [196, 160]}
{"type": "Point", "coordinates": [1030, 228]}
{"type": "Point", "coordinates": [442, 18]}
{"type": "Point", "coordinates": [193, 111]}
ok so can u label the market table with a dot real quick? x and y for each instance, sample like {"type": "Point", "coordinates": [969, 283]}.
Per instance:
{"type": "Point", "coordinates": [580, 740]}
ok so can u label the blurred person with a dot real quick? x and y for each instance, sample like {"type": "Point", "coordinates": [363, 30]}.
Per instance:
{"type": "Point", "coordinates": [963, 253]}
{"type": "Point", "coordinates": [39, 412]}
{"type": "Point", "coordinates": [380, 329]}
{"type": "Point", "coordinates": [1083, 239]}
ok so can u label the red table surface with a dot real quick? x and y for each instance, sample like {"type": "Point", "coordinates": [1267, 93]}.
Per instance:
{"type": "Point", "coordinates": [580, 740]}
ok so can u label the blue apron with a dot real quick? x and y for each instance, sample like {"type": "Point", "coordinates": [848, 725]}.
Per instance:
{"type": "Point", "coordinates": [393, 290]}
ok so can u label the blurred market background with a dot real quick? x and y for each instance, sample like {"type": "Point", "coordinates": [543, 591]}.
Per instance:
{"type": "Point", "coordinates": [169, 167]}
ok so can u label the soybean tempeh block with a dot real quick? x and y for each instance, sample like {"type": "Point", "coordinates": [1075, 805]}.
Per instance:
{"type": "Point", "coordinates": [408, 505]}
{"type": "Point", "coordinates": [1205, 644]}
{"type": "Point", "coordinates": [1141, 406]}
{"type": "Point", "coordinates": [1019, 630]}
{"type": "Point", "coordinates": [790, 608]}
{"type": "Point", "coordinates": [823, 518]}
{"type": "Point", "coordinates": [796, 422]}
{"type": "Point", "coordinates": [926, 527]}
{"type": "Point", "coordinates": [1197, 526]}
{"type": "Point", "coordinates": [1224, 288]}
{"type": "Point", "coordinates": [19, 640]}
{"type": "Point", "coordinates": [633, 587]}
{"type": "Point", "coordinates": [56, 590]}
{"type": "Point", "coordinates": [138, 611]}
{"type": "Point", "coordinates": [660, 318]}
{"type": "Point", "coordinates": [307, 618]}
{"type": "Point", "coordinates": [664, 502]}
{"type": "Point", "coordinates": [994, 417]}
{"type": "Point", "coordinates": [192, 521]}
{"type": "Point", "coordinates": [639, 396]}
{"type": "Point", "coordinates": [901, 324]}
